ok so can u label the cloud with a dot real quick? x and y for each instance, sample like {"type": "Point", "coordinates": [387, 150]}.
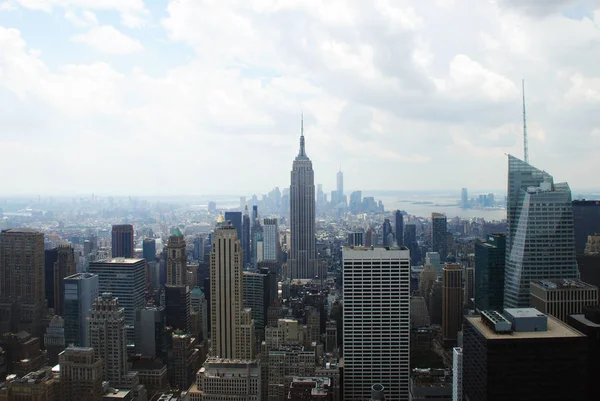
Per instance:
{"type": "Point", "coordinates": [107, 39]}
{"type": "Point", "coordinates": [86, 19]}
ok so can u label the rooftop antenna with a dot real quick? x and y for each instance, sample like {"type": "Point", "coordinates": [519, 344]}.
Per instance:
{"type": "Point", "coordinates": [525, 144]}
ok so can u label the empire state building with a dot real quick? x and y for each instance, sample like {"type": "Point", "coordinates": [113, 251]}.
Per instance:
{"type": "Point", "coordinates": [302, 262]}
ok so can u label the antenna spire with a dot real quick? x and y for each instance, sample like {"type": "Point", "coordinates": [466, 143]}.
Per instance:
{"type": "Point", "coordinates": [302, 151]}
{"type": "Point", "coordinates": [525, 144]}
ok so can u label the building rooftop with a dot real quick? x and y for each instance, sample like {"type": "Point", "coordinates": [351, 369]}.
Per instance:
{"type": "Point", "coordinates": [21, 230]}
{"type": "Point", "coordinates": [556, 328]}
{"type": "Point", "coordinates": [582, 319]}
{"type": "Point", "coordinates": [375, 248]}
{"type": "Point", "coordinates": [80, 276]}
{"type": "Point", "coordinates": [118, 261]}
{"type": "Point", "coordinates": [562, 284]}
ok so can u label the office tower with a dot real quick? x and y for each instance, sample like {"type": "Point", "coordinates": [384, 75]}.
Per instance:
{"type": "Point", "coordinates": [355, 239]}
{"type": "Point", "coordinates": [588, 323]}
{"type": "Point", "coordinates": [199, 248]}
{"type": "Point", "coordinates": [419, 316]}
{"type": "Point", "coordinates": [54, 339]}
{"type": "Point", "coordinates": [356, 202]}
{"type": "Point", "coordinates": [369, 240]}
{"type": "Point", "coordinates": [226, 292]}
{"type": "Point", "coordinates": [457, 374]}
{"type": "Point", "coordinates": [435, 302]}
{"type": "Point", "coordinates": [271, 269]}
{"type": "Point", "coordinates": [310, 389]}
{"type": "Point", "coordinates": [586, 221]}
{"type": "Point", "coordinates": [561, 298]}
{"type": "Point", "coordinates": [469, 287]}
{"type": "Point", "coordinates": [376, 291]}
{"type": "Point", "coordinates": [399, 225]}
{"type": "Point", "coordinates": [125, 280]}
{"type": "Point", "coordinates": [199, 312]}
{"type": "Point", "coordinates": [340, 187]}
{"type": "Point", "coordinates": [410, 241]}
{"type": "Point", "coordinates": [149, 249]}
{"type": "Point", "coordinates": [302, 260]}
{"type": "Point", "coordinates": [540, 241]}
{"type": "Point", "coordinates": [80, 375]}
{"type": "Point", "coordinates": [270, 240]}
{"type": "Point", "coordinates": [507, 357]}
{"type": "Point", "coordinates": [438, 235]}
{"type": "Point", "coordinates": [246, 237]}
{"type": "Point", "coordinates": [214, 381]}
{"type": "Point", "coordinates": [256, 297]}
{"type": "Point", "coordinates": [452, 302]}
{"type": "Point", "coordinates": [236, 221]}
{"type": "Point", "coordinates": [464, 198]}
{"type": "Point", "coordinates": [489, 272]}
{"type": "Point", "coordinates": [81, 290]}
{"type": "Point", "coordinates": [433, 259]}
{"type": "Point", "coordinates": [426, 280]}
{"type": "Point", "coordinates": [150, 331]}
{"type": "Point", "coordinates": [182, 361]}
{"type": "Point", "coordinates": [427, 384]}
{"type": "Point", "coordinates": [64, 266]}
{"type": "Point", "coordinates": [22, 285]}
{"type": "Point", "coordinates": [387, 232]}
{"type": "Point", "coordinates": [122, 241]}
{"type": "Point", "coordinates": [178, 307]}
{"type": "Point", "coordinates": [106, 334]}
{"type": "Point", "coordinates": [176, 259]}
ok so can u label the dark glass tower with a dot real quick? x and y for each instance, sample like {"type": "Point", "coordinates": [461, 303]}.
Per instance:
{"type": "Point", "coordinates": [399, 222]}
{"type": "Point", "coordinates": [439, 228]}
{"type": "Point", "coordinates": [303, 257]}
{"type": "Point", "coordinates": [586, 221]}
{"type": "Point", "coordinates": [122, 241]}
{"type": "Point", "coordinates": [236, 221]}
{"type": "Point", "coordinates": [387, 230]}
{"type": "Point", "coordinates": [246, 237]}
{"type": "Point", "coordinates": [489, 272]}
{"type": "Point", "coordinates": [149, 249]}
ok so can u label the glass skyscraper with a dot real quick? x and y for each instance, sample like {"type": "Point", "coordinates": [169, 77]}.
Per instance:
{"type": "Point", "coordinates": [540, 240]}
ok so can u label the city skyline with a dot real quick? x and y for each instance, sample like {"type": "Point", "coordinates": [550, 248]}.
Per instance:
{"type": "Point", "coordinates": [239, 93]}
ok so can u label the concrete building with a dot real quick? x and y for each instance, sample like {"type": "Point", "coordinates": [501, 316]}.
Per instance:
{"type": "Point", "coordinates": [376, 294]}
{"type": "Point", "coordinates": [504, 355]}
{"type": "Point", "coordinates": [183, 361]}
{"type": "Point", "coordinates": [37, 385]}
{"type": "Point", "coordinates": [540, 240]}
{"type": "Point", "coordinates": [80, 375]}
{"type": "Point", "coordinates": [221, 379]}
{"type": "Point", "coordinates": [489, 272]}
{"type": "Point", "coordinates": [54, 339]}
{"type": "Point", "coordinates": [283, 364]}
{"type": "Point", "coordinates": [302, 260]}
{"type": "Point", "coordinates": [81, 290]}
{"type": "Point", "coordinates": [176, 260]}
{"type": "Point", "coordinates": [310, 389]}
{"type": "Point", "coordinates": [561, 298]}
{"type": "Point", "coordinates": [430, 385]}
{"type": "Point", "coordinates": [122, 241]}
{"type": "Point", "coordinates": [452, 302]}
{"type": "Point", "coordinates": [199, 313]}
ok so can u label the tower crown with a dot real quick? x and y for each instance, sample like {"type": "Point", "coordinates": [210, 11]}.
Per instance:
{"type": "Point", "coordinates": [302, 154]}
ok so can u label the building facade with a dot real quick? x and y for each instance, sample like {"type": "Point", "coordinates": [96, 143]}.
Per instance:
{"type": "Point", "coordinates": [452, 302]}
{"type": "Point", "coordinates": [80, 375]}
{"type": "Point", "coordinates": [122, 241]}
{"type": "Point", "coordinates": [176, 259]}
{"type": "Point", "coordinates": [489, 272]}
{"type": "Point", "coordinates": [439, 228]}
{"type": "Point", "coordinates": [81, 290]}
{"type": "Point", "coordinates": [561, 298]}
{"type": "Point", "coordinates": [270, 240]}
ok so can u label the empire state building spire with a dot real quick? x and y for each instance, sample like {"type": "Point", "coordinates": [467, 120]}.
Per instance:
{"type": "Point", "coordinates": [302, 154]}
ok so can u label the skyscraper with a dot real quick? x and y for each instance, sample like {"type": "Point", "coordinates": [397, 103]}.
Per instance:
{"type": "Point", "coordinates": [376, 290]}
{"type": "Point", "coordinates": [540, 240]}
{"type": "Point", "coordinates": [176, 259]}
{"type": "Point", "coordinates": [464, 198]}
{"type": "Point", "coordinates": [150, 331]}
{"type": "Point", "coordinates": [59, 263]}
{"type": "Point", "coordinates": [387, 232]}
{"type": "Point", "coordinates": [236, 221]}
{"type": "Point", "coordinates": [122, 241]}
{"type": "Point", "coordinates": [270, 240]}
{"type": "Point", "coordinates": [399, 223]}
{"type": "Point", "coordinates": [81, 290]}
{"type": "Point", "coordinates": [438, 235]}
{"type": "Point", "coordinates": [340, 187]}
{"type": "Point", "coordinates": [22, 285]}
{"type": "Point", "coordinates": [586, 221]}
{"type": "Point", "coordinates": [452, 302]}
{"type": "Point", "coordinates": [246, 237]}
{"type": "Point", "coordinates": [356, 202]}
{"type": "Point", "coordinates": [410, 240]}
{"type": "Point", "coordinates": [489, 272]}
{"type": "Point", "coordinates": [80, 375]}
{"type": "Point", "coordinates": [229, 319]}
{"type": "Point", "coordinates": [256, 297]}
{"type": "Point", "coordinates": [149, 249]}
{"type": "Point", "coordinates": [303, 256]}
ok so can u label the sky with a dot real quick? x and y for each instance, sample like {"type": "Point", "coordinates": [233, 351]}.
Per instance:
{"type": "Point", "coordinates": [126, 97]}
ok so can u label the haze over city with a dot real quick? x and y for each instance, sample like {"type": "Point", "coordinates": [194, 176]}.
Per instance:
{"type": "Point", "coordinates": [189, 97]}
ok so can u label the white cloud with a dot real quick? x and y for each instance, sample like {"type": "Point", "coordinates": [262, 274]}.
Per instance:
{"type": "Point", "coordinates": [107, 39]}
{"type": "Point", "coordinates": [86, 19]}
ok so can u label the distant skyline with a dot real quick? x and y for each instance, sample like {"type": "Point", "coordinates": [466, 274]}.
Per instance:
{"type": "Point", "coordinates": [147, 98]}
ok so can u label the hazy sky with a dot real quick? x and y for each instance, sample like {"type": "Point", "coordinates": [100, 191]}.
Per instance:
{"type": "Point", "coordinates": [191, 97]}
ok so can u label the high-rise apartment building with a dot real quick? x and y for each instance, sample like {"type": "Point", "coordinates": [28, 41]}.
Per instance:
{"type": "Point", "coordinates": [122, 241]}
{"type": "Point", "coordinates": [452, 302]}
{"type": "Point", "coordinates": [439, 229]}
{"type": "Point", "coordinates": [124, 279]}
{"type": "Point", "coordinates": [80, 375]}
{"type": "Point", "coordinates": [586, 221]}
{"type": "Point", "coordinates": [561, 298]}
{"type": "Point", "coordinates": [81, 290]}
{"type": "Point", "coordinates": [106, 334]}
{"type": "Point", "coordinates": [376, 291]}
{"type": "Point", "coordinates": [399, 226]}
{"type": "Point", "coordinates": [228, 316]}
{"type": "Point", "coordinates": [302, 259]}
{"type": "Point", "coordinates": [176, 259]}
{"type": "Point", "coordinates": [540, 241]}
{"type": "Point", "coordinates": [59, 263]}
{"type": "Point", "coordinates": [183, 360]}
{"type": "Point", "coordinates": [270, 240]}
{"type": "Point", "coordinates": [489, 272]}
{"type": "Point", "coordinates": [22, 285]}
{"type": "Point", "coordinates": [507, 357]}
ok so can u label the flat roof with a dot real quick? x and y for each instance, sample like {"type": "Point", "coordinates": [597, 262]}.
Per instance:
{"type": "Point", "coordinates": [120, 261]}
{"type": "Point", "coordinates": [562, 284]}
{"type": "Point", "coordinates": [556, 329]}
{"type": "Point", "coordinates": [582, 319]}
{"type": "Point", "coordinates": [524, 312]}
{"type": "Point", "coordinates": [21, 230]}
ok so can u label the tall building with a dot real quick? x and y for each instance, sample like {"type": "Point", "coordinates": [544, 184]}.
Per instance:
{"type": "Point", "coordinates": [439, 228]}
{"type": "Point", "coordinates": [399, 226]}
{"type": "Point", "coordinates": [59, 263]}
{"type": "Point", "coordinates": [228, 315]}
{"type": "Point", "coordinates": [246, 237]}
{"type": "Point", "coordinates": [588, 323]}
{"type": "Point", "coordinates": [340, 187]}
{"type": "Point", "coordinates": [410, 241]}
{"type": "Point", "coordinates": [22, 285]}
{"type": "Point", "coordinates": [122, 241]}
{"type": "Point", "coordinates": [256, 297]}
{"type": "Point", "coordinates": [221, 379]}
{"type": "Point", "coordinates": [149, 249]}
{"type": "Point", "coordinates": [376, 330]}
{"type": "Point", "coordinates": [150, 331]}
{"type": "Point", "coordinates": [464, 198]}
{"type": "Point", "coordinates": [81, 290]}
{"type": "Point", "coordinates": [387, 232]}
{"type": "Point", "coordinates": [586, 221]}
{"type": "Point", "coordinates": [489, 272]}
{"type": "Point", "coordinates": [270, 240]}
{"type": "Point", "coordinates": [540, 241]}
{"type": "Point", "coordinates": [183, 360]}
{"type": "Point", "coordinates": [80, 375]}
{"type": "Point", "coordinates": [106, 333]}
{"type": "Point", "coordinates": [507, 357]}
{"type": "Point", "coordinates": [356, 202]}
{"type": "Point", "coordinates": [176, 259]}
{"type": "Point", "coordinates": [561, 298]}
{"type": "Point", "coordinates": [310, 389]}
{"type": "Point", "coordinates": [452, 302]}
{"type": "Point", "coordinates": [457, 374]}
{"type": "Point", "coordinates": [178, 307]}
{"type": "Point", "coordinates": [302, 259]}
{"type": "Point", "coordinates": [355, 239]}
{"type": "Point", "coordinates": [124, 279]}
{"type": "Point", "coordinates": [236, 221]}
